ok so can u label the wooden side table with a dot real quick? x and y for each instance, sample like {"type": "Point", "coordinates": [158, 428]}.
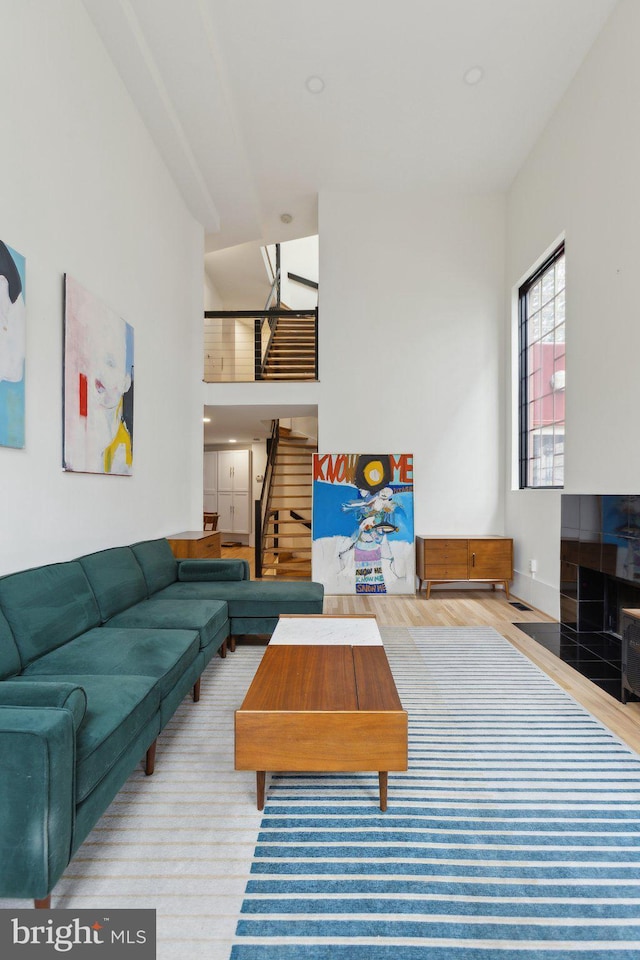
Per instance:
{"type": "Point", "coordinates": [487, 559]}
{"type": "Point", "coordinates": [196, 544]}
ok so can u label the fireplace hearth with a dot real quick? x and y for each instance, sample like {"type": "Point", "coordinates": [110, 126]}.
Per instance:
{"type": "Point", "coordinates": [600, 576]}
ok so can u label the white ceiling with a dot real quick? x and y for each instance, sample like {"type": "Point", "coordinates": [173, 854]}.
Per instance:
{"type": "Point", "coordinates": [249, 423]}
{"type": "Point", "coordinates": [220, 85]}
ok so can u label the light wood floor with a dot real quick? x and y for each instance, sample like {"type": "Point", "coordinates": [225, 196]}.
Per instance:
{"type": "Point", "coordinates": [482, 607]}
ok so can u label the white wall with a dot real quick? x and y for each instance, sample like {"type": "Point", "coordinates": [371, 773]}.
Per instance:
{"type": "Point", "coordinates": [300, 257]}
{"type": "Point", "coordinates": [411, 346]}
{"type": "Point", "coordinates": [582, 179]}
{"type": "Point", "coordinates": [212, 299]}
{"type": "Point", "coordinates": [83, 191]}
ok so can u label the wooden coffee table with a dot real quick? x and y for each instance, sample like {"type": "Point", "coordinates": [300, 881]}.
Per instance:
{"type": "Point", "coordinates": [319, 705]}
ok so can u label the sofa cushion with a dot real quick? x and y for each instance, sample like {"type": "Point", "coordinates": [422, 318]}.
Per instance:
{"type": "Point", "coordinates": [48, 606]}
{"type": "Point", "coordinates": [252, 598]}
{"type": "Point", "coordinates": [213, 570]}
{"type": "Point", "coordinates": [162, 654]}
{"type": "Point", "coordinates": [205, 616]}
{"type": "Point", "coordinates": [116, 579]}
{"type": "Point", "coordinates": [115, 713]}
{"type": "Point", "coordinates": [159, 566]}
{"type": "Point", "coordinates": [254, 626]}
{"type": "Point", "coordinates": [9, 657]}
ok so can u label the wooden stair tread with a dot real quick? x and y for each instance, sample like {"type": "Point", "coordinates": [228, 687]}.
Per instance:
{"type": "Point", "coordinates": [271, 556]}
{"type": "Point", "coordinates": [286, 536]}
{"type": "Point", "coordinates": [295, 484]}
{"type": "Point", "coordinates": [287, 546]}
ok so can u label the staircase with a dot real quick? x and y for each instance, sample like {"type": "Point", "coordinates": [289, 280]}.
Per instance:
{"type": "Point", "coordinates": [286, 531]}
{"type": "Point", "coordinates": [292, 350]}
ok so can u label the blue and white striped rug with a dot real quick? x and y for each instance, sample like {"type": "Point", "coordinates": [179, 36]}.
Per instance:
{"type": "Point", "coordinates": [514, 834]}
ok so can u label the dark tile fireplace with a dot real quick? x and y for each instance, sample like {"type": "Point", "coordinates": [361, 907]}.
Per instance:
{"type": "Point", "coordinates": [599, 576]}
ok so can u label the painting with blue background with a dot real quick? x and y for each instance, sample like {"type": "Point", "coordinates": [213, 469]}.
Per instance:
{"type": "Point", "coordinates": [362, 523]}
{"type": "Point", "coordinates": [12, 346]}
{"type": "Point", "coordinates": [330, 520]}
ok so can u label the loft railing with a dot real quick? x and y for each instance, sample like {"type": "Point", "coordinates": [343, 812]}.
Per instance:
{"type": "Point", "coordinates": [236, 342]}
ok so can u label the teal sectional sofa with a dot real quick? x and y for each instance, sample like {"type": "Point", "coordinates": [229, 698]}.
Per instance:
{"type": "Point", "coordinates": [95, 656]}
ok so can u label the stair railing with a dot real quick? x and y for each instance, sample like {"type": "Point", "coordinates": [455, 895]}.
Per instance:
{"type": "Point", "coordinates": [265, 326]}
{"type": "Point", "coordinates": [262, 507]}
{"type": "Point", "coordinates": [222, 354]}
{"type": "Point", "coordinates": [265, 322]}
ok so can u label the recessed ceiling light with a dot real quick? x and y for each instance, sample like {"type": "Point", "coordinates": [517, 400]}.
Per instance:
{"type": "Point", "coordinates": [314, 84]}
{"type": "Point", "coordinates": [473, 75]}
{"type": "Point", "coordinates": [233, 441]}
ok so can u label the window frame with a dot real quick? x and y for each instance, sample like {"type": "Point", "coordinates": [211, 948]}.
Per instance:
{"type": "Point", "coordinates": [523, 372]}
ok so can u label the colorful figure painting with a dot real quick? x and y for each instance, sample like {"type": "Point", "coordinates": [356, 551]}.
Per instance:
{"type": "Point", "coordinates": [363, 523]}
{"type": "Point", "coordinates": [12, 346]}
{"type": "Point", "coordinates": [98, 386]}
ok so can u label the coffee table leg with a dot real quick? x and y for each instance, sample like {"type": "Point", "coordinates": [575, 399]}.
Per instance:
{"type": "Point", "coordinates": [383, 778]}
{"type": "Point", "coordinates": [260, 781]}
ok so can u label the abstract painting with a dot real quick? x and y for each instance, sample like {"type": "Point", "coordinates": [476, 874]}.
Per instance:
{"type": "Point", "coordinates": [12, 346]}
{"type": "Point", "coordinates": [363, 523]}
{"type": "Point", "coordinates": [98, 386]}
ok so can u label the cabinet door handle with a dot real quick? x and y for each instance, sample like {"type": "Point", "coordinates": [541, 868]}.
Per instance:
{"type": "Point", "coordinates": [473, 559]}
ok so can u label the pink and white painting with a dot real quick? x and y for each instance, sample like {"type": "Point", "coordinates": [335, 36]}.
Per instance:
{"type": "Point", "coordinates": [98, 386]}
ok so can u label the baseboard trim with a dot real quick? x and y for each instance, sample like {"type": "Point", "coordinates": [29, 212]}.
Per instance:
{"type": "Point", "coordinates": [543, 596]}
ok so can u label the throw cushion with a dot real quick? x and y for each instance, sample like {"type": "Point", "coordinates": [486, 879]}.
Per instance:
{"type": "Point", "coordinates": [45, 692]}
{"type": "Point", "coordinates": [213, 570]}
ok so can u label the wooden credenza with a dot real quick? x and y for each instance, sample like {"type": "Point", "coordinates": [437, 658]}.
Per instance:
{"type": "Point", "coordinates": [196, 544]}
{"type": "Point", "coordinates": [486, 559]}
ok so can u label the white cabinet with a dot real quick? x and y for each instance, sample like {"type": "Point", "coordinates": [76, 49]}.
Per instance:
{"type": "Point", "coordinates": [233, 470]}
{"type": "Point", "coordinates": [233, 512]}
{"type": "Point", "coordinates": [233, 491]}
{"type": "Point", "coordinates": [210, 481]}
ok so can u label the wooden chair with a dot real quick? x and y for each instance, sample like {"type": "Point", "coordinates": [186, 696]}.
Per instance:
{"type": "Point", "coordinates": [210, 521]}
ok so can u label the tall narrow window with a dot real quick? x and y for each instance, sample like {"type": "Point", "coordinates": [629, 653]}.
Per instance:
{"type": "Point", "coordinates": [542, 375]}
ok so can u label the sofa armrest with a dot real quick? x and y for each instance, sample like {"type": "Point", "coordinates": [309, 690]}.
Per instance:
{"type": "Point", "coordinates": [213, 570]}
{"type": "Point", "coordinates": [37, 796]}
{"type": "Point", "coordinates": [27, 692]}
